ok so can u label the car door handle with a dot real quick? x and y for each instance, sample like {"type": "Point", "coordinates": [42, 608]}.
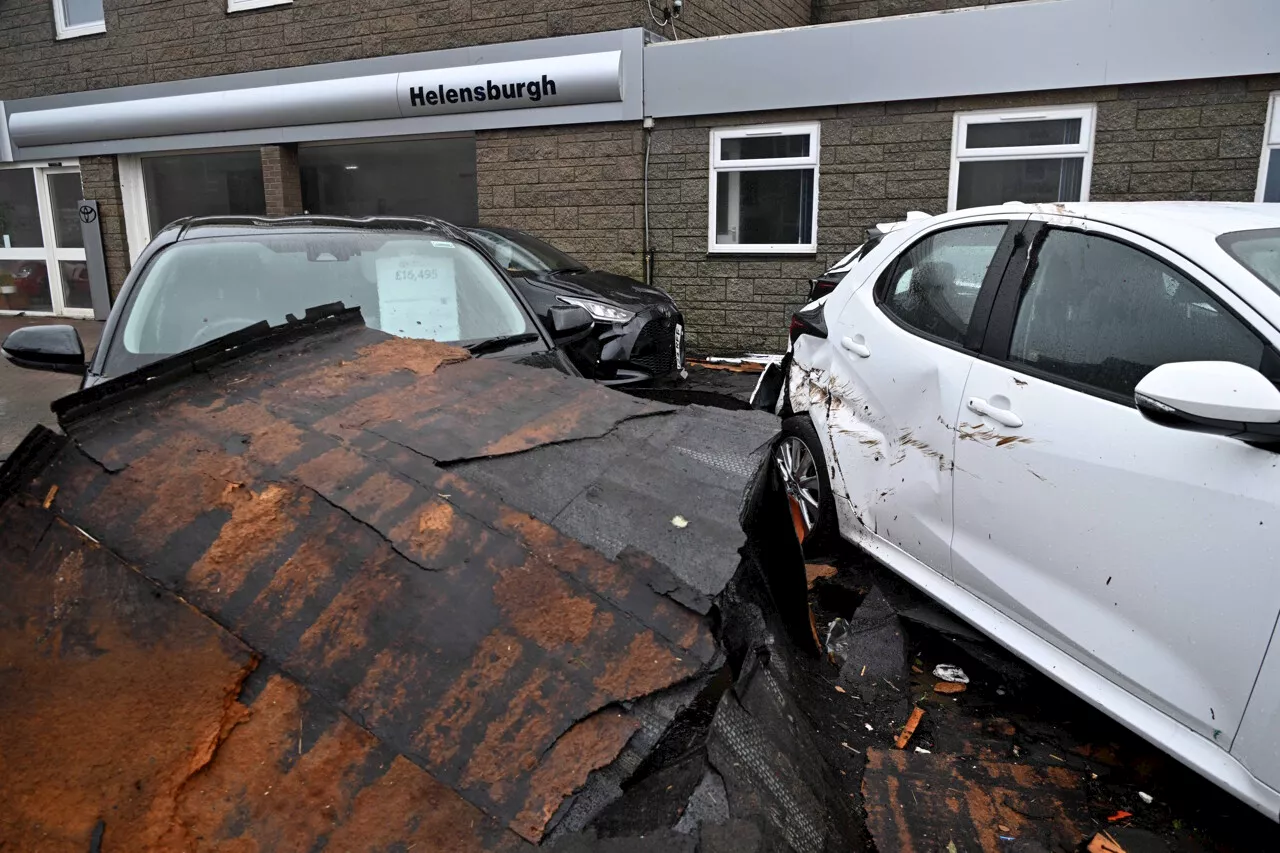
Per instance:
{"type": "Point", "coordinates": [1000, 416]}
{"type": "Point", "coordinates": [856, 345]}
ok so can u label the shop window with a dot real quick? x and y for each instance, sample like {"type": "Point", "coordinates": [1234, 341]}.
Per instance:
{"type": "Point", "coordinates": [244, 5]}
{"type": "Point", "coordinates": [1269, 176]}
{"type": "Point", "coordinates": [78, 18]}
{"type": "Point", "coordinates": [208, 184]}
{"type": "Point", "coordinates": [42, 260]}
{"type": "Point", "coordinates": [411, 177]}
{"type": "Point", "coordinates": [764, 189]}
{"type": "Point", "coordinates": [1021, 155]}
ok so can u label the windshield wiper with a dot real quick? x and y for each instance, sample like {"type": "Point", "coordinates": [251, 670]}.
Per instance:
{"type": "Point", "coordinates": [489, 345]}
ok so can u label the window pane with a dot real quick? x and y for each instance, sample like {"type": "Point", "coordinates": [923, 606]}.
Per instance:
{"type": "Point", "coordinates": [78, 12]}
{"type": "Point", "coordinates": [1258, 251]}
{"type": "Point", "coordinates": [1271, 192]}
{"type": "Point", "coordinates": [202, 185]}
{"type": "Point", "coordinates": [934, 285]}
{"type": "Point", "coordinates": [65, 193]}
{"type": "Point", "coordinates": [1104, 314]}
{"type": "Point", "coordinates": [998, 181]}
{"type": "Point", "coordinates": [772, 207]}
{"type": "Point", "coordinates": [75, 284]}
{"type": "Point", "coordinates": [764, 147]}
{"type": "Point", "coordinates": [24, 286]}
{"type": "Point", "coordinates": [426, 177]}
{"type": "Point", "coordinates": [1006, 134]}
{"type": "Point", "coordinates": [19, 212]}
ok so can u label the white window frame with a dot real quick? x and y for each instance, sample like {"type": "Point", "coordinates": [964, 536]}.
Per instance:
{"type": "Point", "coordinates": [718, 165]}
{"type": "Point", "coordinates": [51, 254]}
{"type": "Point", "coordinates": [1270, 142]}
{"type": "Point", "coordinates": [64, 31]}
{"type": "Point", "coordinates": [246, 5]}
{"type": "Point", "coordinates": [961, 153]}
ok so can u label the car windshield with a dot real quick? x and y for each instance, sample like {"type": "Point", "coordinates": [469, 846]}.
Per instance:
{"type": "Point", "coordinates": [520, 253]}
{"type": "Point", "coordinates": [411, 286]}
{"type": "Point", "coordinates": [1257, 251]}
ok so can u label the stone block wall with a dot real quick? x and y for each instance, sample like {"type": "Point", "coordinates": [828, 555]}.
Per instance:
{"type": "Point", "coordinates": [281, 182]}
{"type": "Point", "coordinates": [831, 11]}
{"type": "Point", "coordinates": [1193, 140]}
{"type": "Point", "coordinates": [580, 187]}
{"type": "Point", "coordinates": [100, 180]}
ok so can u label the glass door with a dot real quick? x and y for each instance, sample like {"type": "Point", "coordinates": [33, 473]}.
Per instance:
{"type": "Point", "coordinates": [42, 260]}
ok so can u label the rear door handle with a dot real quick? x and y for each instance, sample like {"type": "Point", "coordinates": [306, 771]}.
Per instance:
{"type": "Point", "coordinates": [856, 345]}
{"type": "Point", "coordinates": [1000, 416]}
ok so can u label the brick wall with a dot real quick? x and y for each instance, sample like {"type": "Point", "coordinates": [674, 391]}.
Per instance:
{"type": "Point", "coordinates": [1198, 140]}
{"type": "Point", "coordinates": [100, 180]}
{"type": "Point", "coordinates": [150, 41]}
{"type": "Point", "coordinates": [830, 11]}
{"type": "Point", "coordinates": [720, 17]}
{"type": "Point", "coordinates": [578, 187]}
{"type": "Point", "coordinates": [281, 181]}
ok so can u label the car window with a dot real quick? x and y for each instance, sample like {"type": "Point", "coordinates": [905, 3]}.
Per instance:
{"type": "Point", "coordinates": [411, 286]}
{"type": "Point", "coordinates": [1104, 314]}
{"type": "Point", "coordinates": [521, 253]}
{"type": "Point", "coordinates": [1258, 251]}
{"type": "Point", "coordinates": [934, 285]}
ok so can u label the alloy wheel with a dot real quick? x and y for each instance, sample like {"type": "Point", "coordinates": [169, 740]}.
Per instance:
{"type": "Point", "coordinates": [800, 479]}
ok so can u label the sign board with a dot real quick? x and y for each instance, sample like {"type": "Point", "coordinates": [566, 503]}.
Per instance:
{"type": "Point", "coordinates": [418, 297]}
{"type": "Point", "coordinates": [584, 78]}
{"type": "Point", "coordinates": [94, 259]}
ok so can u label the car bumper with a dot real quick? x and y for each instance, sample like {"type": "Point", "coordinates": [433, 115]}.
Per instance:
{"type": "Point", "coordinates": [649, 347]}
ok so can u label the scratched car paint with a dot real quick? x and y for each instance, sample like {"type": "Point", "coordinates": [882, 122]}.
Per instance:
{"type": "Point", "coordinates": [1012, 449]}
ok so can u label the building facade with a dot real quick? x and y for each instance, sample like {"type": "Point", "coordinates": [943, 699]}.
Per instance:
{"type": "Point", "coordinates": [728, 151]}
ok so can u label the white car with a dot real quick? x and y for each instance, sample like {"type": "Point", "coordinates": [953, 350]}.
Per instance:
{"type": "Point", "coordinates": [1062, 421]}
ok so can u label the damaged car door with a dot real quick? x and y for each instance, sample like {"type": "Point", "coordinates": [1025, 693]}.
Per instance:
{"type": "Point", "coordinates": [899, 356]}
{"type": "Point", "coordinates": [1142, 551]}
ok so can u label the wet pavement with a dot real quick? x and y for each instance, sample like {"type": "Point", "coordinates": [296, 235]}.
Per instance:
{"type": "Point", "coordinates": [25, 394]}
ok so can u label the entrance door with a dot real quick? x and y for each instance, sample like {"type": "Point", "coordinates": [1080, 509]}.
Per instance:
{"type": "Point", "coordinates": [42, 260]}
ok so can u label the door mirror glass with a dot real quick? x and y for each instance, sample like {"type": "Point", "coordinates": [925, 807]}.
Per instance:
{"type": "Point", "coordinates": [1212, 396]}
{"type": "Point", "coordinates": [569, 320]}
{"type": "Point", "coordinates": [46, 348]}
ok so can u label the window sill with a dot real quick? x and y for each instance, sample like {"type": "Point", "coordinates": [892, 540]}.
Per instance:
{"type": "Point", "coordinates": [249, 5]}
{"type": "Point", "coordinates": [82, 30]}
{"type": "Point", "coordinates": [764, 251]}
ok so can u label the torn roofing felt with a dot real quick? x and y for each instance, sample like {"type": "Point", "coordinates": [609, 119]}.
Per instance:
{"type": "Point", "coordinates": [411, 591]}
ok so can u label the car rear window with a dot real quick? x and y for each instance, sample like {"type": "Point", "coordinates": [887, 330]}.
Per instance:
{"type": "Point", "coordinates": [1258, 251]}
{"type": "Point", "coordinates": [411, 286]}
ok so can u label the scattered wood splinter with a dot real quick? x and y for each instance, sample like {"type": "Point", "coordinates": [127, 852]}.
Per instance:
{"type": "Point", "coordinates": [48, 499]}
{"type": "Point", "coordinates": [909, 729]}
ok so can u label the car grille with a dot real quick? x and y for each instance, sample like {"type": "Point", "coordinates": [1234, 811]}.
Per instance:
{"type": "Point", "coordinates": [654, 349]}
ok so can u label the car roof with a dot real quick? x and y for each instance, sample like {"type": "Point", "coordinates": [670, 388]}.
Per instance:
{"type": "Point", "coordinates": [193, 227]}
{"type": "Point", "coordinates": [1211, 218]}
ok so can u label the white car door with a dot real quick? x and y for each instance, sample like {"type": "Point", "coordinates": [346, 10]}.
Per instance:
{"type": "Point", "coordinates": [1146, 552]}
{"type": "Point", "coordinates": [898, 361]}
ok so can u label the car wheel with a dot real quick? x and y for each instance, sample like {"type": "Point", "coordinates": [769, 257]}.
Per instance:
{"type": "Point", "coordinates": [802, 465]}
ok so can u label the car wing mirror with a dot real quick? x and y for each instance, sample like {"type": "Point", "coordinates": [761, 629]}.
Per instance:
{"type": "Point", "coordinates": [569, 320]}
{"type": "Point", "coordinates": [1219, 397]}
{"type": "Point", "coordinates": [46, 348]}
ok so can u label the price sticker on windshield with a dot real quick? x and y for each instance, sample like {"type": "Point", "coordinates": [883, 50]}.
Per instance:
{"type": "Point", "coordinates": [418, 297]}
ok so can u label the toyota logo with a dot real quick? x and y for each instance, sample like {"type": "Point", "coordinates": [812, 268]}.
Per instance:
{"type": "Point", "coordinates": [88, 213]}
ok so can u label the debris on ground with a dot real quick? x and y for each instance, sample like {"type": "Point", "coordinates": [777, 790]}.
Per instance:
{"type": "Point", "coordinates": [813, 572]}
{"type": "Point", "coordinates": [910, 728]}
{"type": "Point", "coordinates": [1146, 798]}
{"type": "Point", "coordinates": [947, 687]}
{"type": "Point", "coordinates": [303, 587]}
{"type": "Point", "coordinates": [1104, 843]}
{"type": "Point", "coordinates": [949, 672]}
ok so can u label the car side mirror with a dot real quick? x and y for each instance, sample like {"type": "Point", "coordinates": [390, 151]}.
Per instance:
{"type": "Point", "coordinates": [569, 320]}
{"type": "Point", "coordinates": [46, 348]}
{"type": "Point", "coordinates": [1219, 397]}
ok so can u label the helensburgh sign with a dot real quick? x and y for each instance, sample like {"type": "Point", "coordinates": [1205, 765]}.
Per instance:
{"type": "Point", "coordinates": [588, 78]}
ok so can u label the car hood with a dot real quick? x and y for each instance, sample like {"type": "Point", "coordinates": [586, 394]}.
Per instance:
{"type": "Point", "coordinates": [594, 284]}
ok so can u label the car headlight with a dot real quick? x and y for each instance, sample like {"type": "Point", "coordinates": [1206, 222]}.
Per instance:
{"type": "Point", "coordinates": [600, 311]}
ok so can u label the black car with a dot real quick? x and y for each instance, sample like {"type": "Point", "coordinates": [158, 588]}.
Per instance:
{"type": "Point", "coordinates": [639, 332]}
{"type": "Point", "coordinates": [202, 278]}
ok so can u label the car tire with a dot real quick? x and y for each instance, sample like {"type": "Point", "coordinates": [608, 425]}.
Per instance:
{"type": "Point", "coordinates": [799, 460]}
